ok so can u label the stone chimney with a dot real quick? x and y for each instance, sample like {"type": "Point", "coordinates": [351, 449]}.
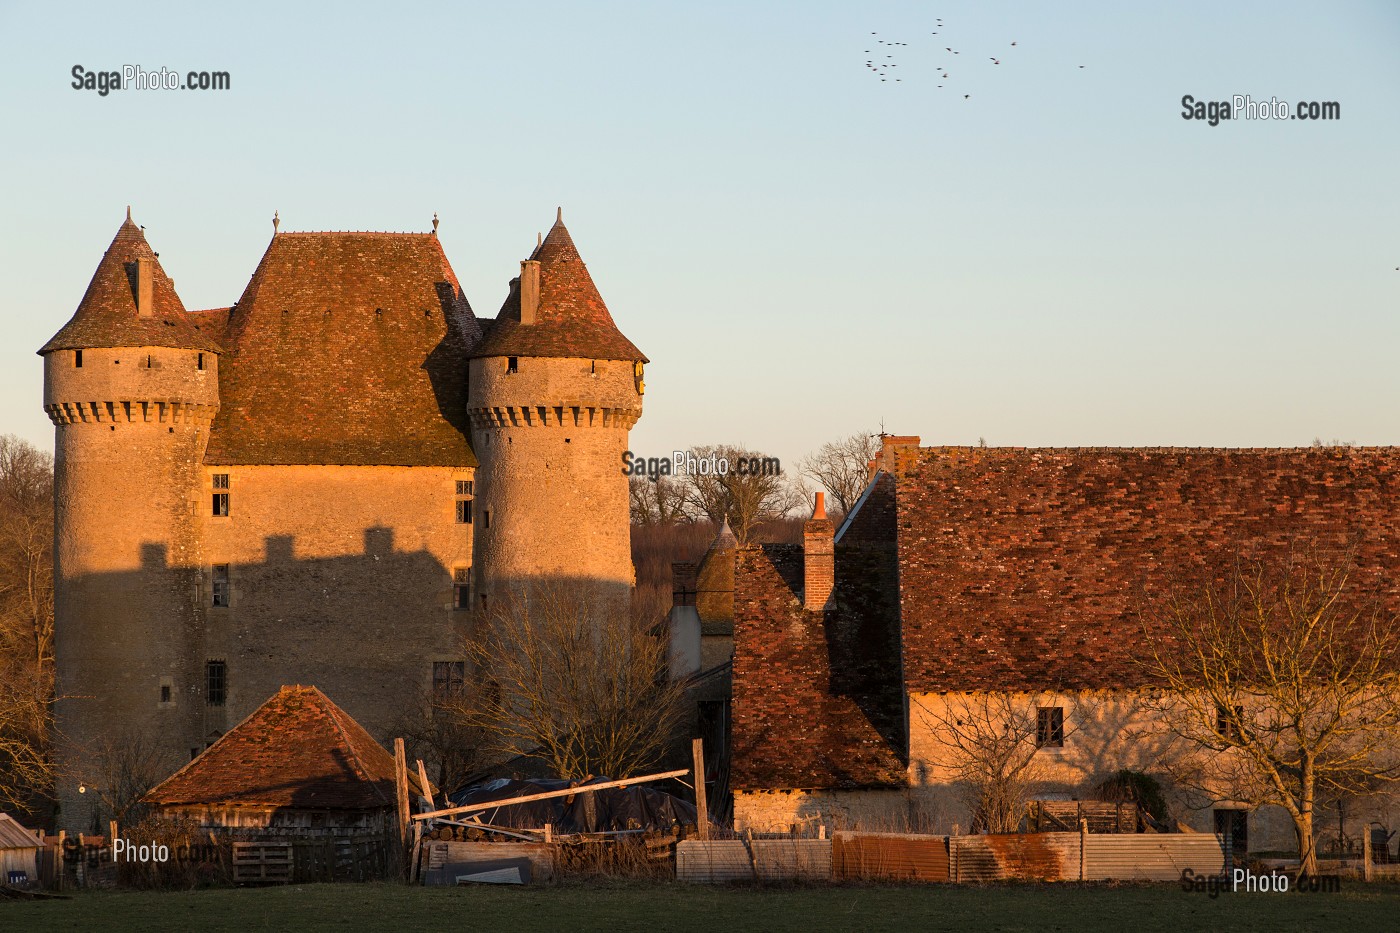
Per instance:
{"type": "Point", "coordinates": [889, 444]}
{"type": "Point", "coordinates": [819, 559]}
{"type": "Point", "coordinates": [529, 290]}
{"type": "Point", "coordinates": [145, 287]}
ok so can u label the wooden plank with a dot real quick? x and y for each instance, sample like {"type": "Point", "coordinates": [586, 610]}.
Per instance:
{"type": "Point", "coordinates": [401, 788]}
{"type": "Point", "coordinates": [424, 785]}
{"type": "Point", "coordinates": [702, 816]}
{"type": "Point", "coordinates": [566, 792]}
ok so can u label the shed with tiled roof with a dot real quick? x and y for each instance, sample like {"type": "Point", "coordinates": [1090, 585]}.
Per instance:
{"type": "Point", "coordinates": [299, 762]}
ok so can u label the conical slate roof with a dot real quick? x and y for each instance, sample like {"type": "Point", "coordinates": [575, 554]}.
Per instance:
{"type": "Point", "coordinates": [297, 750]}
{"type": "Point", "coordinates": [572, 320]}
{"type": "Point", "coordinates": [106, 317]}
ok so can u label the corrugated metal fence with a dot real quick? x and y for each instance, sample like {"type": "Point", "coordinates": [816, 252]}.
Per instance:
{"type": "Point", "coordinates": [724, 860]}
{"type": "Point", "coordinates": [970, 859]}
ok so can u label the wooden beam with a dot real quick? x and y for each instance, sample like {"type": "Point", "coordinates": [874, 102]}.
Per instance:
{"type": "Point", "coordinates": [702, 815]}
{"type": "Point", "coordinates": [566, 792]}
{"type": "Point", "coordinates": [401, 792]}
{"type": "Point", "coordinates": [423, 782]}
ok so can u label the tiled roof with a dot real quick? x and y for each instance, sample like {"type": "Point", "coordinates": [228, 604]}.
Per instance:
{"type": "Point", "coordinates": [1033, 568]}
{"type": "Point", "coordinates": [817, 701]}
{"type": "Point", "coordinates": [347, 348]}
{"type": "Point", "coordinates": [106, 317]}
{"type": "Point", "coordinates": [571, 321]}
{"type": "Point", "coordinates": [297, 750]}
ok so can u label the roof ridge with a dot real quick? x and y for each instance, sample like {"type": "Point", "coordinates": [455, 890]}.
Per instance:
{"type": "Point", "coordinates": [330, 709]}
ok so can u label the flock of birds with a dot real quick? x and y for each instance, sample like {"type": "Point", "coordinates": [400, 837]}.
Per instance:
{"type": "Point", "coordinates": [883, 69]}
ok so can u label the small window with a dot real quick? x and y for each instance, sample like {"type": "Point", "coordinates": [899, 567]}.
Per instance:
{"type": "Point", "coordinates": [221, 505]}
{"type": "Point", "coordinates": [464, 487]}
{"type": "Point", "coordinates": [1229, 723]}
{"type": "Point", "coordinates": [78, 359]}
{"type": "Point", "coordinates": [221, 589]}
{"type": "Point", "coordinates": [165, 693]}
{"type": "Point", "coordinates": [220, 480]}
{"type": "Point", "coordinates": [462, 588]}
{"type": "Point", "coordinates": [487, 515]}
{"type": "Point", "coordinates": [512, 364]}
{"type": "Point", "coordinates": [449, 679]}
{"type": "Point", "coordinates": [199, 361]}
{"type": "Point", "coordinates": [464, 511]}
{"type": "Point", "coordinates": [215, 682]}
{"type": "Point", "coordinates": [1050, 727]}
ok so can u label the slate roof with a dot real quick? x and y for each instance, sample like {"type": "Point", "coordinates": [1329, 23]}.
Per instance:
{"type": "Point", "coordinates": [346, 348]}
{"type": "Point", "coordinates": [1034, 568]}
{"type": "Point", "coordinates": [106, 317]}
{"type": "Point", "coordinates": [572, 320]}
{"type": "Point", "coordinates": [297, 750]}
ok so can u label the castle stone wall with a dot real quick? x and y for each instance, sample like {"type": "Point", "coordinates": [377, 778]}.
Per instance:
{"type": "Point", "coordinates": [131, 428]}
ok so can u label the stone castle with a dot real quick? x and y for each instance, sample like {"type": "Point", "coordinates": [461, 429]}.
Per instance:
{"type": "Point", "coordinates": [322, 484]}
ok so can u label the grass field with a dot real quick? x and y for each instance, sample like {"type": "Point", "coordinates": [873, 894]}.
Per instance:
{"type": "Point", "coordinates": [663, 908]}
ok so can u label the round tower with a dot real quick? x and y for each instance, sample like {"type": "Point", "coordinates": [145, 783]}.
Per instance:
{"type": "Point", "coordinates": [131, 384]}
{"type": "Point", "coordinates": [553, 389]}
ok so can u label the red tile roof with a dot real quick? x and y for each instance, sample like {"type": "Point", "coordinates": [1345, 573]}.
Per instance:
{"type": "Point", "coordinates": [297, 750]}
{"type": "Point", "coordinates": [571, 321]}
{"type": "Point", "coordinates": [816, 701]}
{"type": "Point", "coordinates": [1033, 569]}
{"type": "Point", "coordinates": [347, 348]}
{"type": "Point", "coordinates": [106, 317]}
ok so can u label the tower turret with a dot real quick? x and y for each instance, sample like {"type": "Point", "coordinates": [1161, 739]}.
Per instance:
{"type": "Point", "coordinates": [553, 389]}
{"type": "Point", "coordinates": [130, 383]}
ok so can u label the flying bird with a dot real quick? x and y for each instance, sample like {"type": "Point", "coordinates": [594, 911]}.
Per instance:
{"type": "Point", "coordinates": [967, 97]}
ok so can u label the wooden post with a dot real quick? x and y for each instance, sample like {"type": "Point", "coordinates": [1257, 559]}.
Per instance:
{"type": "Point", "coordinates": [1083, 849]}
{"type": "Point", "coordinates": [548, 833]}
{"type": "Point", "coordinates": [1366, 855]}
{"type": "Point", "coordinates": [702, 814]}
{"type": "Point", "coordinates": [62, 865]}
{"type": "Point", "coordinates": [401, 787]}
{"type": "Point", "coordinates": [417, 850]}
{"type": "Point", "coordinates": [426, 787]}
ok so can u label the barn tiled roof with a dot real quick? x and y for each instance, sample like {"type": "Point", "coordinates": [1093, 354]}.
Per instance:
{"type": "Point", "coordinates": [817, 701]}
{"type": "Point", "coordinates": [1033, 568]}
{"type": "Point", "coordinates": [346, 348]}
{"type": "Point", "coordinates": [297, 750]}
{"type": "Point", "coordinates": [571, 321]}
{"type": "Point", "coordinates": [106, 317]}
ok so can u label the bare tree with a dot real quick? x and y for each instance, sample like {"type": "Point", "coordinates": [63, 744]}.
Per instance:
{"type": "Point", "coordinates": [126, 766]}
{"type": "Point", "coordinates": [26, 624]}
{"type": "Point", "coordinates": [990, 741]}
{"type": "Point", "coordinates": [570, 681]}
{"type": "Point", "coordinates": [842, 468]}
{"type": "Point", "coordinates": [657, 501]}
{"type": "Point", "coordinates": [1282, 683]}
{"type": "Point", "coordinates": [753, 489]}
{"type": "Point", "coordinates": [451, 750]}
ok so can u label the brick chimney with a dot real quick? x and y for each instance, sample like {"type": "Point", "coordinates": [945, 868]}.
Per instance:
{"type": "Point", "coordinates": [819, 559]}
{"type": "Point", "coordinates": [529, 290]}
{"type": "Point", "coordinates": [889, 444]}
{"type": "Point", "coordinates": [145, 286]}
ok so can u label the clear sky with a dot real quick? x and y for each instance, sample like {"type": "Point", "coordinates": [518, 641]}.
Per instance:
{"type": "Point", "coordinates": [802, 249]}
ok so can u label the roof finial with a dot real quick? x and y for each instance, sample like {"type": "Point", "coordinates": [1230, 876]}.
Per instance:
{"type": "Point", "coordinates": [435, 223]}
{"type": "Point", "coordinates": [559, 215]}
{"type": "Point", "coordinates": [128, 213]}
{"type": "Point", "coordinates": [275, 222]}
{"type": "Point", "coordinates": [539, 239]}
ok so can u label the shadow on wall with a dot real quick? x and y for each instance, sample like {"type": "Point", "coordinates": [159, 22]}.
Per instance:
{"type": "Point", "coordinates": [446, 363]}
